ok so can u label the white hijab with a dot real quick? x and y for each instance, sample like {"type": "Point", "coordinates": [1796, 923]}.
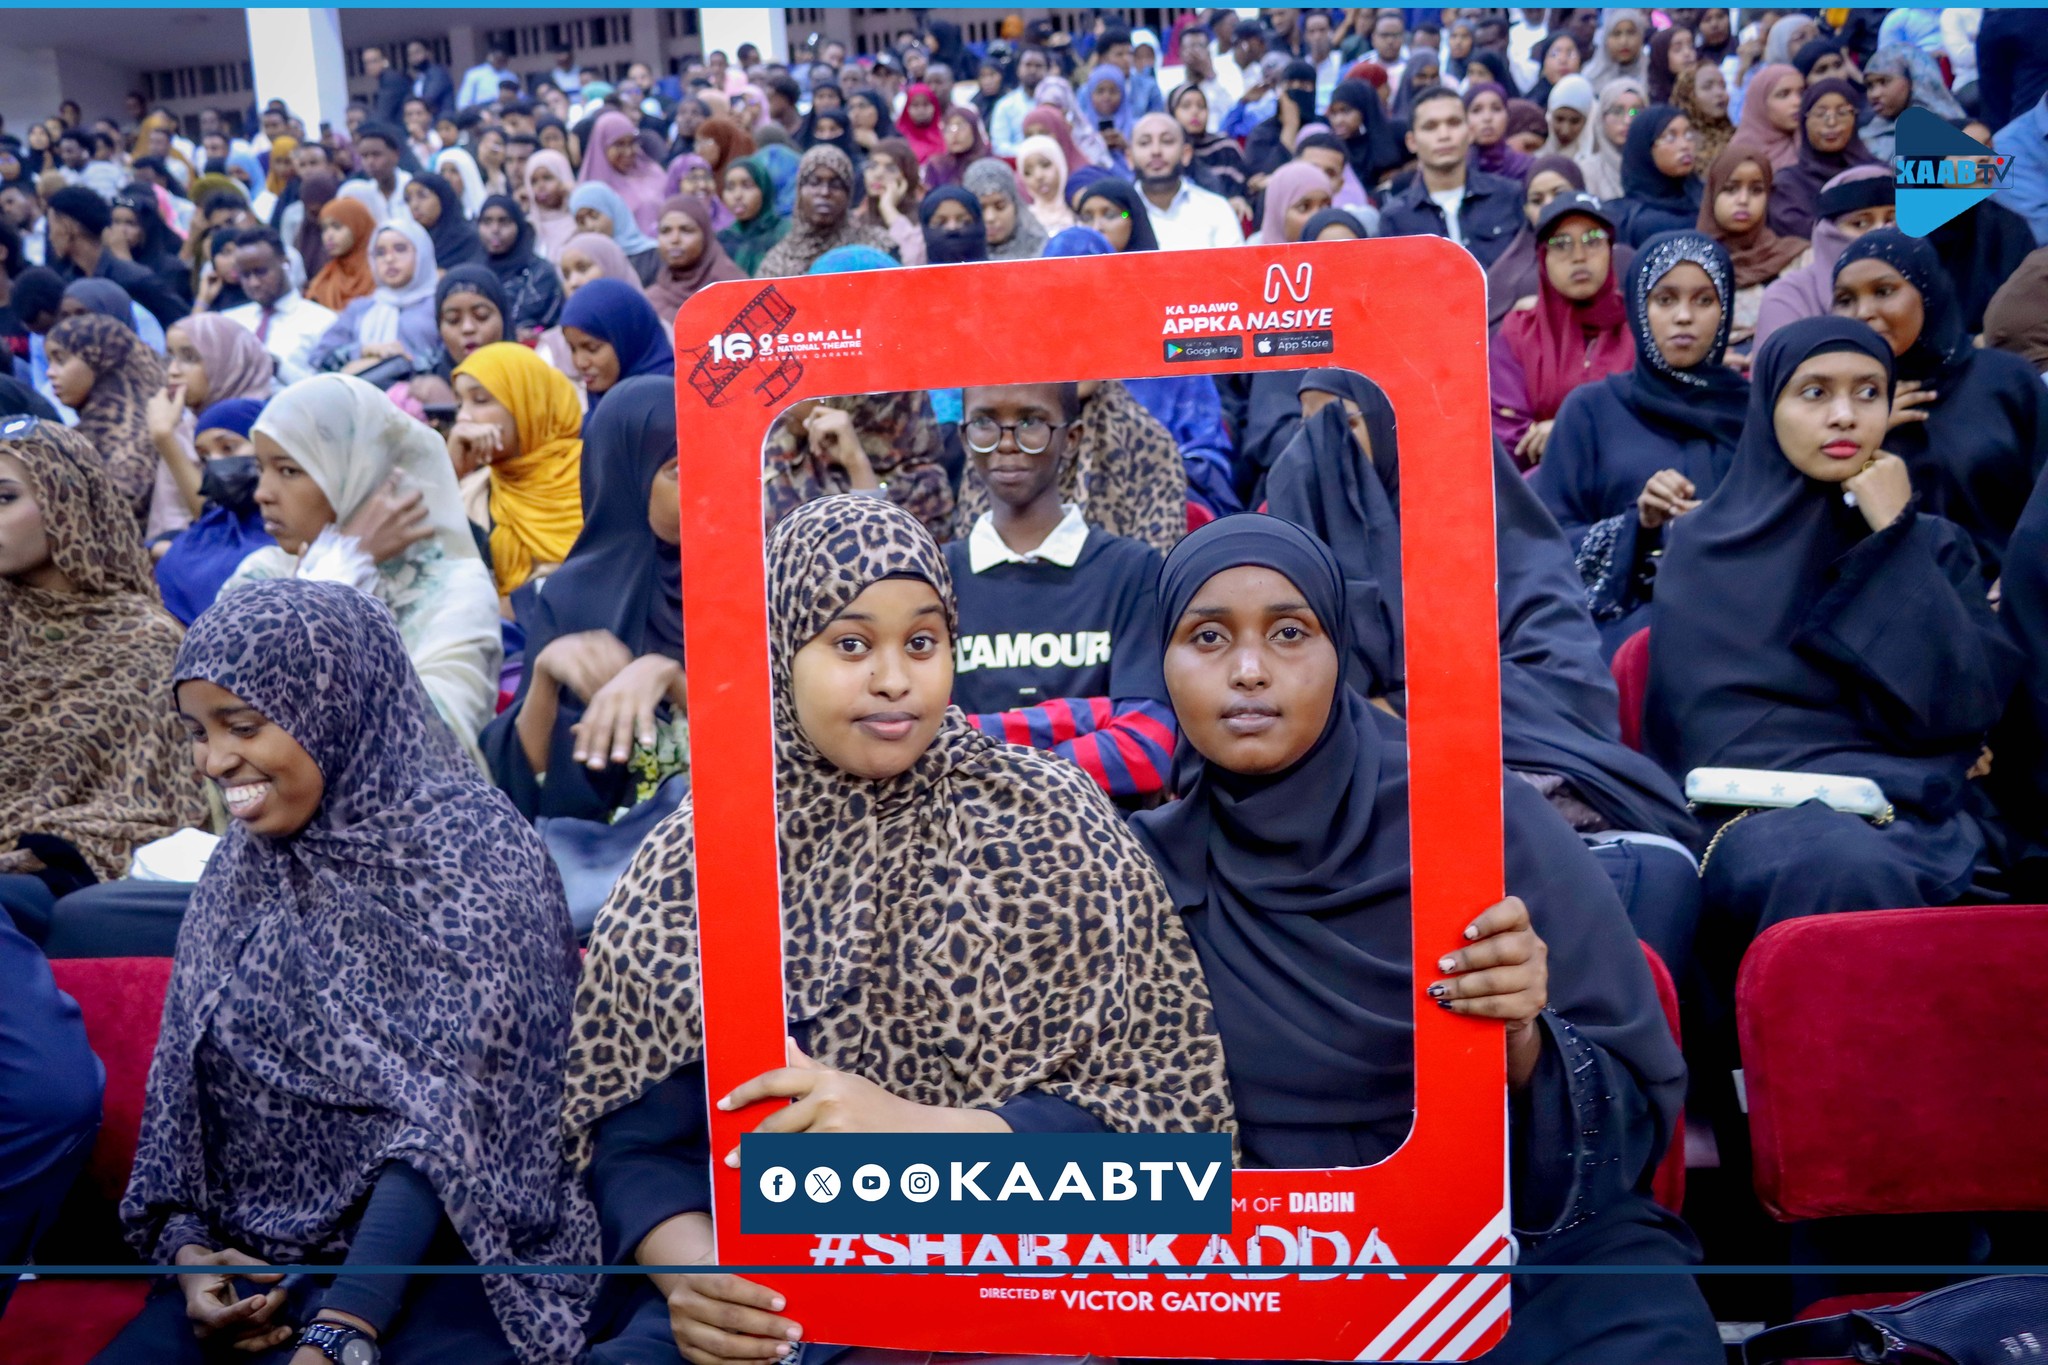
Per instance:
{"type": "Point", "coordinates": [388, 304]}
{"type": "Point", "coordinates": [473, 192]}
{"type": "Point", "coordinates": [1573, 92]}
{"type": "Point", "coordinates": [350, 438]}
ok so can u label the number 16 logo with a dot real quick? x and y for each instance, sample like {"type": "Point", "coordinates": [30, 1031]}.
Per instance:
{"type": "Point", "coordinates": [737, 347]}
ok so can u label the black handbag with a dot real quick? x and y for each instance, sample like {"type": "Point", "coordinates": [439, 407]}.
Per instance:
{"type": "Point", "coordinates": [2000, 1320]}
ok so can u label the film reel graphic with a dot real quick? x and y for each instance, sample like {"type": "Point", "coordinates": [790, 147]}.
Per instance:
{"type": "Point", "coordinates": [734, 357]}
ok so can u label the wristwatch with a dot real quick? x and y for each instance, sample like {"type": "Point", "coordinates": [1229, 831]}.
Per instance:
{"type": "Point", "coordinates": [340, 1343]}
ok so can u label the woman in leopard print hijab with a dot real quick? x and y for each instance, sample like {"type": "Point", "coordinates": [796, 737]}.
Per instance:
{"type": "Point", "coordinates": [113, 413]}
{"type": "Point", "coordinates": [93, 764]}
{"type": "Point", "coordinates": [362, 1041]}
{"type": "Point", "coordinates": [978, 932]}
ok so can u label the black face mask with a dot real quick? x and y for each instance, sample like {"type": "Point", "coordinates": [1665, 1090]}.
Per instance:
{"type": "Point", "coordinates": [1305, 101]}
{"type": "Point", "coordinates": [230, 482]}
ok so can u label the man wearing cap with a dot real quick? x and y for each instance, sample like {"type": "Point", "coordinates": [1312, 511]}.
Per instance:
{"type": "Point", "coordinates": [1447, 197]}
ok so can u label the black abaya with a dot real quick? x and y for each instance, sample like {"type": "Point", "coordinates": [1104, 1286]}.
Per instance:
{"type": "Point", "coordinates": [1559, 710]}
{"type": "Point", "coordinates": [1612, 437]}
{"type": "Point", "coordinates": [1787, 636]}
{"type": "Point", "coordinates": [1296, 891]}
{"type": "Point", "coordinates": [1985, 440]}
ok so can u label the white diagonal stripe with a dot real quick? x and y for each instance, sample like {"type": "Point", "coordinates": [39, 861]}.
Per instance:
{"type": "Point", "coordinates": [1447, 1317]}
{"type": "Point", "coordinates": [1489, 1314]}
{"type": "Point", "coordinates": [1438, 1286]}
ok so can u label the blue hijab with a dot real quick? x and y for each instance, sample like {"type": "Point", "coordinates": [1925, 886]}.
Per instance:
{"type": "Point", "coordinates": [619, 315]}
{"type": "Point", "coordinates": [595, 194]}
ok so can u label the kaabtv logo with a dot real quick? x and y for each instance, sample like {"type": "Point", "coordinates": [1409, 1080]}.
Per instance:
{"type": "Point", "coordinates": [1940, 172]}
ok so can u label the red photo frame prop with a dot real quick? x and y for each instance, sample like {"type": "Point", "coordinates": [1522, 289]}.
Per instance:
{"type": "Point", "coordinates": [1408, 312]}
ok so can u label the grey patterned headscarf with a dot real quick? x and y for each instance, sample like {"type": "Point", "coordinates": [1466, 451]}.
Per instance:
{"type": "Point", "coordinates": [990, 176]}
{"type": "Point", "coordinates": [1658, 258]}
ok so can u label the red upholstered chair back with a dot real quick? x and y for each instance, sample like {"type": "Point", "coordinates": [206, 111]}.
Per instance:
{"type": "Point", "coordinates": [1668, 1186]}
{"type": "Point", "coordinates": [123, 1002]}
{"type": "Point", "coordinates": [1887, 1071]}
{"type": "Point", "coordinates": [1631, 669]}
{"type": "Point", "coordinates": [1198, 516]}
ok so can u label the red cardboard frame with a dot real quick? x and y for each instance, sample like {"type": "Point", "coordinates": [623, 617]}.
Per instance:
{"type": "Point", "coordinates": [1410, 313]}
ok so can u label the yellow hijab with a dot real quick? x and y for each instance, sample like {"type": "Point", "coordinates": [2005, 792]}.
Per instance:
{"type": "Point", "coordinates": [281, 149]}
{"type": "Point", "coordinates": [536, 499]}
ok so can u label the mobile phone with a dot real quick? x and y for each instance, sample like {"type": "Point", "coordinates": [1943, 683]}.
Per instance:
{"type": "Point", "coordinates": [440, 412]}
{"type": "Point", "coordinates": [1103, 125]}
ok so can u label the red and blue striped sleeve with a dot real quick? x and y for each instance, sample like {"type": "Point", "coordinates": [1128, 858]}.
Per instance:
{"type": "Point", "coordinates": [1126, 746]}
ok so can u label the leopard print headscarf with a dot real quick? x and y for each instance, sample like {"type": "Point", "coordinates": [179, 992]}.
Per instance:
{"type": "Point", "coordinates": [392, 982]}
{"type": "Point", "coordinates": [980, 925]}
{"type": "Point", "coordinates": [1122, 470]}
{"type": "Point", "coordinates": [93, 754]}
{"type": "Point", "coordinates": [114, 416]}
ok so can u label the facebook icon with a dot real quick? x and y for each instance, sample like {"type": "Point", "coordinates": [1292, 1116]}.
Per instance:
{"type": "Point", "coordinates": [777, 1184]}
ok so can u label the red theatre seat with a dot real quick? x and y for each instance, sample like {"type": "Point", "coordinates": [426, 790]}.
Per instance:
{"type": "Point", "coordinates": [1668, 1186]}
{"type": "Point", "coordinates": [1887, 1071]}
{"type": "Point", "coordinates": [68, 1322]}
{"type": "Point", "coordinates": [1198, 516]}
{"type": "Point", "coordinates": [1631, 669]}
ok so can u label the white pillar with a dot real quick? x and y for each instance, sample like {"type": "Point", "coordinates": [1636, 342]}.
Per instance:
{"type": "Point", "coordinates": [297, 56]}
{"type": "Point", "coordinates": [723, 30]}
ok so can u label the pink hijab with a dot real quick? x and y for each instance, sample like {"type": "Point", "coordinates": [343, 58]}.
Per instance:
{"type": "Point", "coordinates": [643, 187]}
{"type": "Point", "coordinates": [1287, 187]}
{"type": "Point", "coordinates": [1756, 130]}
{"type": "Point", "coordinates": [554, 227]}
{"type": "Point", "coordinates": [237, 365]}
{"type": "Point", "coordinates": [605, 252]}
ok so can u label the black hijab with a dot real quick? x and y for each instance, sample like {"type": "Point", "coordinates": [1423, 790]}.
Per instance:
{"type": "Point", "coordinates": [1976, 458]}
{"type": "Point", "coordinates": [1749, 668]}
{"type": "Point", "coordinates": [454, 236]}
{"type": "Point", "coordinates": [1660, 202]}
{"type": "Point", "coordinates": [469, 279]}
{"type": "Point", "coordinates": [1296, 890]}
{"type": "Point", "coordinates": [958, 245]}
{"type": "Point", "coordinates": [1125, 196]}
{"type": "Point", "coordinates": [532, 286]}
{"type": "Point", "coordinates": [1376, 148]}
{"type": "Point", "coordinates": [158, 249]}
{"type": "Point", "coordinates": [1705, 401]}
{"type": "Point", "coordinates": [885, 122]}
{"type": "Point", "coordinates": [1263, 870]}
{"type": "Point", "coordinates": [520, 254]}
{"type": "Point", "coordinates": [1559, 710]}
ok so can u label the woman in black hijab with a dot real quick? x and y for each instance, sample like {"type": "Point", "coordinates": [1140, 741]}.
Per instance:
{"type": "Point", "coordinates": [533, 288]}
{"type": "Point", "coordinates": [956, 235]}
{"type": "Point", "coordinates": [1639, 449]}
{"type": "Point", "coordinates": [157, 247]}
{"type": "Point", "coordinates": [1971, 423]}
{"type": "Point", "coordinates": [553, 751]}
{"type": "Point", "coordinates": [454, 236]}
{"type": "Point", "coordinates": [1114, 208]}
{"type": "Point", "coordinates": [1288, 858]}
{"type": "Point", "coordinates": [1812, 618]}
{"type": "Point", "coordinates": [1659, 191]}
{"type": "Point", "coordinates": [1266, 148]}
{"type": "Point", "coordinates": [2019, 777]}
{"type": "Point", "coordinates": [1339, 478]}
{"type": "Point", "coordinates": [1372, 143]}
